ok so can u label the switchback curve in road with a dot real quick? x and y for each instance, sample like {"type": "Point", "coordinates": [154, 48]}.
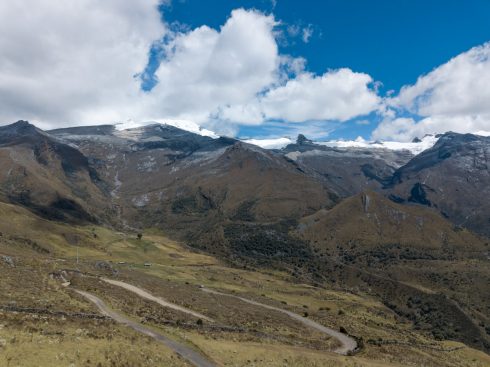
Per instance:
{"type": "Point", "coordinates": [348, 344]}
{"type": "Point", "coordinates": [185, 352]}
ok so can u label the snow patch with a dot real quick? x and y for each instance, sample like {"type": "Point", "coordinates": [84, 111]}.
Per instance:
{"type": "Point", "coordinates": [483, 133]}
{"type": "Point", "coordinates": [141, 201]}
{"type": "Point", "coordinates": [148, 165]}
{"type": "Point", "coordinates": [426, 142]}
{"type": "Point", "coordinates": [180, 124]}
{"type": "Point", "coordinates": [117, 185]}
{"type": "Point", "coordinates": [269, 143]}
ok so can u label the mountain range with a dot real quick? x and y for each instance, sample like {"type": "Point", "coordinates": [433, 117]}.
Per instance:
{"type": "Point", "coordinates": [391, 222]}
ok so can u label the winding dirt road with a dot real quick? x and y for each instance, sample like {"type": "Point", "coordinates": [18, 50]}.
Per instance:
{"type": "Point", "coordinates": [185, 352]}
{"type": "Point", "coordinates": [144, 294]}
{"type": "Point", "coordinates": [348, 344]}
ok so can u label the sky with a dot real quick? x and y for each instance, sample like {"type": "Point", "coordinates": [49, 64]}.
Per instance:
{"type": "Point", "coordinates": [332, 69]}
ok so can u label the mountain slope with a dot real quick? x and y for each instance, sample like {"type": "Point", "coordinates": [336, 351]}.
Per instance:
{"type": "Point", "coordinates": [369, 220]}
{"type": "Point", "coordinates": [51, 178]}
{"type": "Point", "coordinates": [414, 259]}
{"type": "Point", "coordinates": [348, 171]}
{"type": "Point", "coordinates": [166, 177]}
{"type": "Point", "coordinates": [453, 176]}
{"type": "Point", "coordinates": [279, 210]}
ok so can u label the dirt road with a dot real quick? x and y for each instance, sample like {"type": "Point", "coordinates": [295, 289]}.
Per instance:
{"type": "Point", "coordinates": [144, 294]}
{"type": "Point", "coordinates": [348, 344]}
{"type": "Point", "coordinates": [185, 352]}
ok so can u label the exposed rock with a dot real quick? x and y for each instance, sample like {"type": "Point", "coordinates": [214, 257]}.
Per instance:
{"type": "Point", "coordinates": [302, 140]}
{"type": "Point", "coordinates": [105, 266]}
{"type": "Point", "coordinates": [9, 261]}
{"type": "Point", "coordinates": [418, 195]}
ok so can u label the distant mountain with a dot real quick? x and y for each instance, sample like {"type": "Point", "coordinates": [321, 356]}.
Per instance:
{"type": "Point", "coordinates": [453, 176]}
{"type": "Point", "coordinates": [160, 175]}
{"type": "Point", "coordinates": [348, 170]}
{"type": "Point", "coordinates": [49, 177]}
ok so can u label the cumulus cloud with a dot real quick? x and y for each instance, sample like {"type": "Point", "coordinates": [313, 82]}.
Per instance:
{"type": "Point", "coordinates": [73, 61]}
{"type": "Point", "coordinates": [336, 95]}
{"type": "Point", "coordinates": [81, 62]}
{"type": "Point", "coordinates": [454, 96]}
{"type": "Point", "coordinates": [206, 69]}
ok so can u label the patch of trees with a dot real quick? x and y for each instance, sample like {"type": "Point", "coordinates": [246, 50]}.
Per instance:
{"type": "Point", "coordinates": [266, 241]}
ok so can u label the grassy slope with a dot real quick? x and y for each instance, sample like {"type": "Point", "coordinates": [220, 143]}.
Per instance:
{"type": "Point", "coordinates": [175, 274]}
{"type": "Point", "coordinates": [425, 268]}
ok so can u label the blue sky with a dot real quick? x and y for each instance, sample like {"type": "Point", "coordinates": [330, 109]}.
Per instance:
{"type": "Point", "coordinates": [330, 69]}
{"type": "Point", "coordinates": [393, 41]}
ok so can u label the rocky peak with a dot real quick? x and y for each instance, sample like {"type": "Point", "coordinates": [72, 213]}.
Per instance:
{"type": "Point", "coordinates": [20, 127]}
{"type": "Point", "coordinates": [18, 132]}
{"type": "Point", "coordinates": [303, 140]}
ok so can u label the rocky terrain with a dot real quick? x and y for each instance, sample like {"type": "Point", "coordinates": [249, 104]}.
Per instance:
{"type": "Point", "coordinates": [349, 170]}
{"type": "Point", "coordinates": [408, 231]}
{"type": "Point", "coordinates": [453, 177]}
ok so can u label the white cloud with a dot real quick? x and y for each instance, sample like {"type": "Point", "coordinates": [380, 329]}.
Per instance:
{"type": "Point", "coordinates": [453, 97]}
{"type": "Point", "coordinates": [459, 87]}
{"type": "Point", "coordinates": [336, 95]}
{"type": "Point", "coordinates": [73, 61]}
{"type": "Point", "coordinates": [306, 33]}
{"type": "Point", "coordinates": [206, 70]}
{"type": "Point", "coordinates": [405, 129]}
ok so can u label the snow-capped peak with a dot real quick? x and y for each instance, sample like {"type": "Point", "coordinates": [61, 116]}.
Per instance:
{"type": "Point", "coordinates": [415, 147]}
{"type": "Point", "coordinates": [180, 124]}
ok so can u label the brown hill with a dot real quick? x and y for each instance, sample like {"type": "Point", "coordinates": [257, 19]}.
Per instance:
{"type": "Point", "coordinates": [369, 220]}
{"type": "Point", "coordinates": [161, 176]}
{"type": "Point", "coordinates": [412, 258]}
{"type": "Point", "coordinates": [53, 179]}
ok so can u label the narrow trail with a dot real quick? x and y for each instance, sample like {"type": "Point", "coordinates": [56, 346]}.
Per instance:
{"type": "Point", "coordinates": [144, 294]}
{"type": "Point", "coordinates": [348, 344]}
{"type": "Point", "coordinates": [185, 352]}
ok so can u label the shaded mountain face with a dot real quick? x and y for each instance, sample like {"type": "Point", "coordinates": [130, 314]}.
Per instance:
{"type": "Point", "coordinates": [162, 176]}
{"type": "Point", "coordinates": [453, 177]}
{"type": "Point", "coordinates": [51, 178]}
{"type": "Point", "coordinates": [348, 171]}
